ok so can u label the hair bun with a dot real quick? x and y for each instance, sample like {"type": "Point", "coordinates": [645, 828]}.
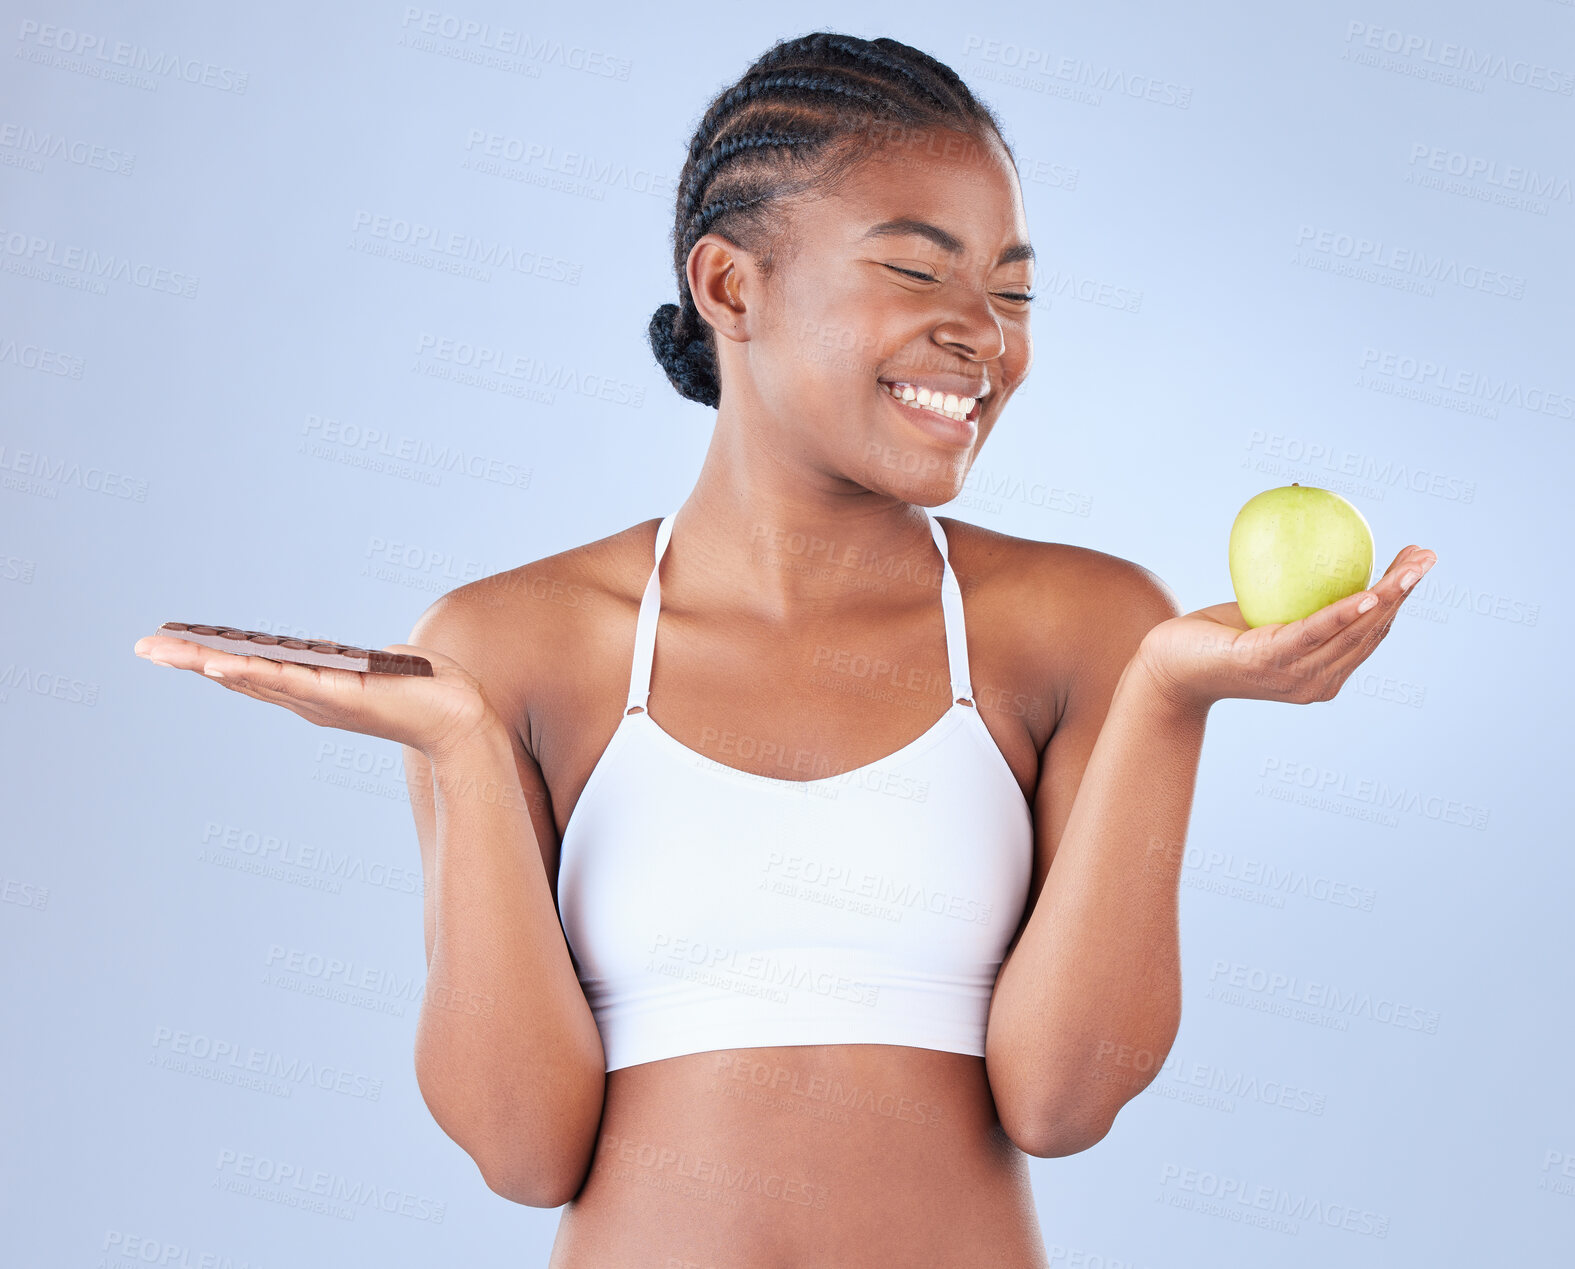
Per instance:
{"type": "Point", "coordinates": [684, 354]}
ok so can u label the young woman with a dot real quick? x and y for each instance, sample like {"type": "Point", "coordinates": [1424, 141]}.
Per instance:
{"type": "Point", "coordinates": [817, 989]}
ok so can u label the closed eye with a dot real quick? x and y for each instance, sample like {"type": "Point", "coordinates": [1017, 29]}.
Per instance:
{"type": "Point", "coordinates": [1022, 297]}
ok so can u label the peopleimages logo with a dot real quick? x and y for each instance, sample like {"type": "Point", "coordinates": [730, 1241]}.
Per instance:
{"type": "Point", "coordinates": [230, 845]}
{"type": "Point", "coordinates": [33, 146]}
{"type": "Point", "coordinates": [1383, 473]}
{"type": "Point", "coordinates": [40, 253]}
{"type": "Point", "coordinates": [481, 365]}
{"type": "Point", "coordinates": [95, 55]}
{"type": "Point", "coordinates": [1031, 64]}
{"type": "Point", "coordinates": [318, 1189]}
{"type": "Point", "coordinates": [514, 42]}
{"type": "Point", "coordinates": [1473, 167]}
{"type": "Point", "coordinates": [1289, 989]}
{"type": "Point", "coordinates": [231, 1060]}
{"type": "Point", "coordinates": [463, 246]}
{"type": "Point", "coordinates": [1272, 1206]}
{"type": "Point", "coordinates": [1280, 878]}
{"type": "Point", "coordinates": [573, 171]}
{"type": "Point", "coordinates": [1461, 57]}
{"type": "Point", "coordinates": [1374, 253]}
{"type": "Point", "coordinates": [1467, 381]}
{"type": "Point", "coordinates": [1380, 794]}
{"type": "Point", "coordinates": [49, 361]}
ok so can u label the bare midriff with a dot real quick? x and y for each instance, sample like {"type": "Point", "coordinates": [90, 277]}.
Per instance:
{"type": "Point", "coordinates": [841, 1156]}
{"type": "Point", "coordinates": [816, 1156]}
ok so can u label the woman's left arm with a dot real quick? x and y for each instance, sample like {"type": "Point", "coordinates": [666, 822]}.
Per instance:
{"type": "Point", "coordinates": [1088, 1000]}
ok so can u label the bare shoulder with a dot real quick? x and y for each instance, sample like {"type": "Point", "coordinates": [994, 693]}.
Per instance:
{"type": "Point", "coordinates": [518, 629]}
{"type": "Point", "coordinates": [1029, 574]}
{"type": "Point", "coordinates": [1069, 607]}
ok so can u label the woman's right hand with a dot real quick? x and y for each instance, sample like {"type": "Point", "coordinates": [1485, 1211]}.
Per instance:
{"type": "Point", "coordinates": [435, 715]}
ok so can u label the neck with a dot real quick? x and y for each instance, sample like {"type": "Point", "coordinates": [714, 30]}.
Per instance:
{"type": "Point", "coordinates": [764, 534]}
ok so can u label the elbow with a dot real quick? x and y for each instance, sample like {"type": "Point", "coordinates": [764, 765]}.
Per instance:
{"type": "Point", "coordinates": [1055, 1133]}
{"type": "Point", "coordinates": [1048, 1120]}
{"type": "Point", "coordinates": [542, 1168]}
{"type": "Point", "coordinates": [535, 1157]}
{"type": "Point", "coordinates": [529, 1186]}
{"type": "Point", "coordinates": [1053, 1125]}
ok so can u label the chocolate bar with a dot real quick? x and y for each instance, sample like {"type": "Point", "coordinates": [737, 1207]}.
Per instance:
{"type": "Point", "coordinates": [271, 647]}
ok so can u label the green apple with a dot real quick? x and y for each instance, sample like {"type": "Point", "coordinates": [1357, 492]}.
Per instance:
{"type": "Point", "coordinates": [1295, 549]}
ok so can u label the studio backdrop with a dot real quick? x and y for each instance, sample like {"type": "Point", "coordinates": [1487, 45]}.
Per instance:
{"type": "Point", "coordinates": [312, 313]}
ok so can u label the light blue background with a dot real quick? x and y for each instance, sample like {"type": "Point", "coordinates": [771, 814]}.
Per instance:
{"type": "Point", "coordinates": [165, 457]}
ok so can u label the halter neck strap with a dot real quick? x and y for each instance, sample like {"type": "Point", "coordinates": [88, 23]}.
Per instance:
{"type": "Point", "coordinates": [651, 603]}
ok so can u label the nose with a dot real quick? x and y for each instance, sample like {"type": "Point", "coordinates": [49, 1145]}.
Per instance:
{"type": "Point", "coordinates": [974, 331]}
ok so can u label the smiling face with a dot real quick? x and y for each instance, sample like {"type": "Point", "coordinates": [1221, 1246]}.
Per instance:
{"type": "Point", "coordinates": [913, 272]}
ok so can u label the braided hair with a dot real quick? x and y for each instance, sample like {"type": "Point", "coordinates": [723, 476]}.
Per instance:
{"type": "Point", "coordinates": [800, 118]}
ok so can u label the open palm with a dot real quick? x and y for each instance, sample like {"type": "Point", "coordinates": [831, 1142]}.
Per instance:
{"type": "Point", "coordinates": [1211, 654]}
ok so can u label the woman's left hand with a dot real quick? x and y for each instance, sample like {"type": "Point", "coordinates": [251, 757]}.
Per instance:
{"type": "Point", "coordinates": [1211, 654]}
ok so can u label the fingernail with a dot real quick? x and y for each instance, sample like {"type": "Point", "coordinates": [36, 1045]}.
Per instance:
{"type": "Point", "coordinates": [211, 672]}
{"type": "Point", "coordinates": [1409, 580]}
{"type": "Point", "coordinates": [160, 661]}
{"type": "Point", "coordinates": [1367, 603]}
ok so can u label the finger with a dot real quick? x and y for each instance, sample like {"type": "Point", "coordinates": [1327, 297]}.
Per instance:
{"type": "Point", "coordinates": [1396, 586]}
{"type": "Point", "coordinates": [1349, 617]}
{"type": "Point", "coordinates": [286, 681]}
{"type": "Point", "coordinates": [1312, 632]}
{"type": "Point", "coordinates": [1358, 640]}
{"type": "Point", "coordinates": [1344, 664]}
{"type": "Point", "coordinates": [1420, 561]}
{"type": "Point", "coordinates": [1413, 559]}
{"type": "Point", "coordinates": [1391, 590]}
{"type": "Point", "coordinates": [181, 654]}
{"type": "Point", "coordinates": [1393, 564]}
{"type": "Point", "coordinates": [325, 696]}
{"type": "Point", "coordinates": [1324, 667]}
{"type": "Point", "coordinates": [185, 654]}
{"type": "Point", "coordinates": [1322, 649]}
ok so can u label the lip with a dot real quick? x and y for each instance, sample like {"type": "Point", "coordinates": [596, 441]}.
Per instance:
{"type": "Point", "coordinates": [949, 431]}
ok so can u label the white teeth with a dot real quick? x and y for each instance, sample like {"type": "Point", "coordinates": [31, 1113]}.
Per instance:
{"type": "Point", "coordinates": [948, 404]}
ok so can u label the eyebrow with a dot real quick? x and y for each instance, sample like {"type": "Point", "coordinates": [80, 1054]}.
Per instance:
{"type": "Point", "coordinates": [905, 226]}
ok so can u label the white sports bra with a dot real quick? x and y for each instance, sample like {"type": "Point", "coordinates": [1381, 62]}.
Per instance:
{"type": "Point", "coordinates": [706, 907]}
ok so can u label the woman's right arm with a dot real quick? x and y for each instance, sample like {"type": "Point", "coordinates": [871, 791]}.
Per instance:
{"type": "Point", "coordinates": [508, 1058]}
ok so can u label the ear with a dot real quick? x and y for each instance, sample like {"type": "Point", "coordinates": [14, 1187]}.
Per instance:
{"type": "Point", "coordinates": [719, 272]}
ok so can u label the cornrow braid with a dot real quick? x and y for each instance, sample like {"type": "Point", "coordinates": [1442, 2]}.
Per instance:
{"type": "Point", "coordinates": [798, 119]}
{"type": "Point", "coordinates": [891, 66]}
{"type": "Point", "coordinates": [721, 153]}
